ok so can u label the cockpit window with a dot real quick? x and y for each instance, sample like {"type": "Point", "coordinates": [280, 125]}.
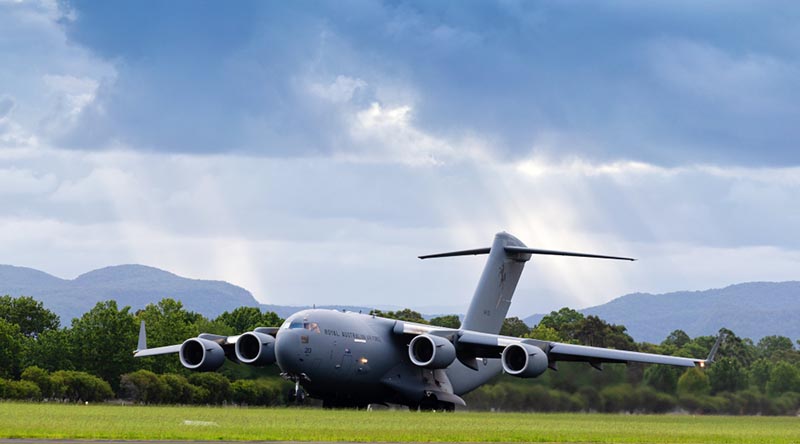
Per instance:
{"type": "Point", "coordinates": [311, 326]}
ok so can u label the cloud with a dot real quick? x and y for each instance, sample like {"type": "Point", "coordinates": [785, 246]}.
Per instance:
{"type": "Point", "coordinates": [53, 80]}
{"type": "Point", "coordinates": [310, 152]}
{"type": "Point", "coordinates": [356, 227]}
{"type": "Point", "coordinates": [648, 83]}
{"type": "Point", "coordinates": [6, 106]}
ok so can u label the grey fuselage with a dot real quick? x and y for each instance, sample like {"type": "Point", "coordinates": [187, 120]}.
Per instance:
{"type": "Point", "coordinates": [356, 359]}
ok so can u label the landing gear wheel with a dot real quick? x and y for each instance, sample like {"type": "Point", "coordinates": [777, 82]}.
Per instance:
{"type": "Point", "coordinates": [297, 396]}
{"type": "Point", "coordinates": [431, 404]}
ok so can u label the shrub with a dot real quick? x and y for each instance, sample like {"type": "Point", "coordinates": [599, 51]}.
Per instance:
{"type": "Point", "coordinates": [591, 398]}
{"type": "Point", "coordinates": [218, 387]}
{"type": "Point", "coordinates": [655, 402]}
{"type": "Point", "coordinates": [256, 392]}
{"type": "Point", "coordinates": [142, 386]}
{"type": "Point", "coordinates": [693, 382]}
{"type": "Point", "coordinates": [177, 389]}
{"type": "Point", "coordinates": [79, 386]}
{"type": "Point", "coordinates": [787, 404]}
{"type": "Point", "coordinates": [24, 390]}
{"type": "Point", "coordinates": [620, 398]}
{"type": "Point", "coordinates": [41, 378]}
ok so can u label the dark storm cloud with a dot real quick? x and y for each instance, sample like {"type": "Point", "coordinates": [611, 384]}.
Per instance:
{"type": "Point", "coordinates": [668, 83]}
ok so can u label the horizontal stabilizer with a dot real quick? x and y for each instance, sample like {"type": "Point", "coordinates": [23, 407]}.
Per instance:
{"type": "Point", "coordinates": [458, 253]}
{"type": "Point", "coordinates": [526, 250]}
{"type": "Point", "coordinates": [523, 250]}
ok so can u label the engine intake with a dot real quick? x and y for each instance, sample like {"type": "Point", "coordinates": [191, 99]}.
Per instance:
{"type": "Point", "coordinates": [201, 355]}
{"type": "Point", "coordinates": [524, 360]}
{"type": "Point", "coordinates": [431, 351]}
{"type": "Point", "coordinates": [255, 348]}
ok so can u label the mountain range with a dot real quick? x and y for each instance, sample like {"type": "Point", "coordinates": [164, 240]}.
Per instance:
{"type": "Point", "coordinates": [133, 285]}
{"type": "Point", "coordinates": [753, 310]}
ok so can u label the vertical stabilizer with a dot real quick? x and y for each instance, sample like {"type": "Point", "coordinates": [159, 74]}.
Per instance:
{"type": "Point", "coordinates": [507, 257]}
{"type": "Point", "coordinates": [492, 297]}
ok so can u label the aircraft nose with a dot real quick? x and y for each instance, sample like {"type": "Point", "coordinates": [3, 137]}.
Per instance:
{"type": "Point", "coordinates": [287, 343]}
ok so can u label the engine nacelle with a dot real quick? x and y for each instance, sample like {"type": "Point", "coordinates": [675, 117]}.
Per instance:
{"type": "Point", "coordinates": [201, 355]}
{"type": "Point", "coordinates": [255, 348]}
{"type": "Point", "coordinates": [524, 360]}
{"type": "Point", "coordinates": [431, 351]}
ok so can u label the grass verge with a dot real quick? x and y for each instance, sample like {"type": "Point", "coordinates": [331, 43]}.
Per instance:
{"type": "Point", "coordinates": [60, 421]}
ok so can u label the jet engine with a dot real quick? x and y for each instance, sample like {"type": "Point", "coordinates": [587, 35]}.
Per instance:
{"type": "Point", "coordinates": [524, 360]}
{"type": "Point", "coordinates": [201, 354]}
{"type": "Point", "coordinates": [255, 348]}
{"type": "Point", "coordinates": [431, 351]}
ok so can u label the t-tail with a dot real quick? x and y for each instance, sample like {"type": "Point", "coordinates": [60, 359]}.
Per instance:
{"type": "Point", "coordinates": [492, 298]}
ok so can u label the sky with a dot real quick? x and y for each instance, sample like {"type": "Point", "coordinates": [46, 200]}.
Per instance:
{"type": "Point", "coordinates": [309, 151]}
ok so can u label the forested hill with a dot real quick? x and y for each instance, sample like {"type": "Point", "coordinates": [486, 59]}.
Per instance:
{"type": "Point", "coordinates": [752, 310]}
{"type": "Point", "coordinates": [134, 285]}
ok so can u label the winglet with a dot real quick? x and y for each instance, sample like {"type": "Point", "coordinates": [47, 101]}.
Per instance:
{"type": "Point", "coordinates": [142, 338]}
{"type": "Point", "coordinates": [712, 355]}
{"type": "Point", "coordinates": [715, 348]}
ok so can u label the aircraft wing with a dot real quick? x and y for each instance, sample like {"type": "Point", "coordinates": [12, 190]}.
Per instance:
{"type": "Point", "coordinates": [487, 345]}
{"type": "Point", "coordinates": [226, 342]}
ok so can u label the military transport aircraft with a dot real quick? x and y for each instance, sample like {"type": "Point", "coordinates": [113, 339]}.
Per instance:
{"type": "Point", "coordinates": [352, 359]}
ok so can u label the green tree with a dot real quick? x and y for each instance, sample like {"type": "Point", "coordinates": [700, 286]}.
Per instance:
{"type": "Point", "coordinates": [677, 339]}
{"type": "Point", "coordinates": [759, 372]}
{"type": "Point", "coordinates": [782, 379]}
{"type": "Point", "coordinates": [29, 314]}
{"type": "Point", "coordinates": [693, 382]}
{"type": "Point", "coordinates": [565, 321]}
{"type": "Point", "coordinates": [514, 326]}
{"type": "Point", "coordinates": [11, 345]}
{"type": "Point", "coordinates": [727, 375]}
{"type": "Point", "coordinates": [52, 351]}
{"type": "Point", "coordinates": [741, 349]}
{"type": "Point", "coordinates": [769, 346]}
{"type": "Point", "coordinates": [405, 314]}
{"type": "Point", "coordinates": [663, 378]}
{"type": "Point", "coordinates": [447, 321]}
{"type": "Point", "coordinates": [596, 332]}
{"type": "Point", "coordinates": [545, 333]}
{"type": "Point", "coordinates": [244, 319]}
{"type": "Point", "coordinates": [103, 339]}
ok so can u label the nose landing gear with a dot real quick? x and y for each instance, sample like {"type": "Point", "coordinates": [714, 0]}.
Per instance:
{"type": "Point", "coordinates": [297, 395]}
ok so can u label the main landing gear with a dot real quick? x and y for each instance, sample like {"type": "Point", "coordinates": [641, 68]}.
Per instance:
{"type": "Point", "coordinates": [431, 404]}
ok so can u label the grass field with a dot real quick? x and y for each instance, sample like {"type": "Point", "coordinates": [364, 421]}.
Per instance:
{"type": "Point", "coordinates": [57, 421]}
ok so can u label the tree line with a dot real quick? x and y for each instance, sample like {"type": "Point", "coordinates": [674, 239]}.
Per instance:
{"type": "Point", "coordinates": [92, 360]}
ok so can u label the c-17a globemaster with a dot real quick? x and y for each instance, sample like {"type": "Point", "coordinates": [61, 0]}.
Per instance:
{"type": "Point", "coordinates": [352, 359]}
